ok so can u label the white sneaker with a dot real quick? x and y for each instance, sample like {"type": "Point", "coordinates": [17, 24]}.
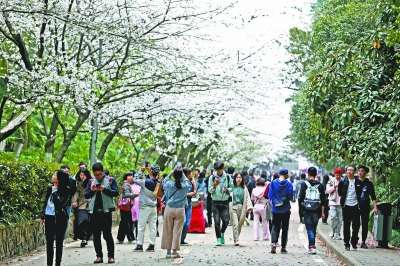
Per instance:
{"type": "Point", "coordinates": [312, 250]}
{"type": "Point", "coordinates": [337, 237]}
{"type": "Point", "coordinates": [175, 255]}
{"type": "Point", "coordinates": [331, 235]}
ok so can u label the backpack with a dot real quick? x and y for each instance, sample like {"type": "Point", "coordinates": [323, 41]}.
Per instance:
{"type": "Point", "coordinates": [312, 201]}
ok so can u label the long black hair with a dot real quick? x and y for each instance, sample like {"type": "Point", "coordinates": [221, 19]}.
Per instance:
{"type": "Point", "coordinates": [178, 174]}
{"type": "Point", "coordinates": [63, 183]}
{"type": "Point", "coordinates": [86, 172]}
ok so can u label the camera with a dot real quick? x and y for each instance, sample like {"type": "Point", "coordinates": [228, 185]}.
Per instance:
{"type": "Point", "coordinates": [179, 166]}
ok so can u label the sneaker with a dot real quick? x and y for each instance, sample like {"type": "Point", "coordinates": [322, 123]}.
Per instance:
{"type": "Point", "coordinates": [168, 255]}
{"type": "Point", "coordinates": [222, 239]}
{"type": "Point", "coordinates": [312, 250]}
{"type": "Point", "coordinates": [236, 243]}
{"type": "Point", "coordinates": [175, 255]}
{"type": "Point", "coordinates": [354, 246]}
{"type": "Point", "coordinates": [283, 250]}
{"type": "Point", "coordinates": [255, 239]}
{"type": "Point", "coordinates": [83, 243]}
{"type": "Point", "coordinates": [331, 234]}
{"type": "Point", "coordinates": [219, 243]}
{"type": "Point", "coordinates": [277, 244]}
{"type": "Point", "coordinates": [347, 247]}
{"type": "Point", "coordinates": [363, 245]}
{"type": "Point", "coordinates": [150, 248]}
{"type": "Point", "coordinates": [138, 248]}
{"type": "Point", "coordinates": [337, 237]}
{"type": "Point", "coordinates": [119, 242]}
{"type": "Point", "coordinates": [184, 243]}
{"type": "Point", "coordinates": [273, 248]}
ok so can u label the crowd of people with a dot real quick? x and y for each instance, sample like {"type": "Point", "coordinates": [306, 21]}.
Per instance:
{"type": "Point", "coordinates": [228, 197]}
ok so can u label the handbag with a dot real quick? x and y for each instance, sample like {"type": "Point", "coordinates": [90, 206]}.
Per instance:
{"type": "Point", "coordinates": [124, 204]}
{"type": "Point", "coordinates": [158, 191]}
{"type": "Point", "coordinates": [268, 211]}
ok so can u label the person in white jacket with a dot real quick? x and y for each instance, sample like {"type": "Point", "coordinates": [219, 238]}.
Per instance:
{"type": "Point", "coordinates": [335, 210]}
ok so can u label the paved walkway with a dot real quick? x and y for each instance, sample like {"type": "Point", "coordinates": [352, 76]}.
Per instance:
{"type": "Point", "coordinates": [370, 256]}
{"type": "Point", "coordinates": [202, 251]}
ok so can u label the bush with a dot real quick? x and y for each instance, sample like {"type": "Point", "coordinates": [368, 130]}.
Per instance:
{"type": "Point", "coordinates": [22, 190]}
{"type": "Point", "coordinates": [395, 238]}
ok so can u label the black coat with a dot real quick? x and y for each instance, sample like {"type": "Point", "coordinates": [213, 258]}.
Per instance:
{"type": "Point", "coordinates": [60, 202]}
{"type": "Point", "coordinates": [343, 187]}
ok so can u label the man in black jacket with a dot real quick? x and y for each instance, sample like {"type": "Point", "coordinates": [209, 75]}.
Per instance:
{"type": "Point", "coordinates": [350, 191]}
{"type": "Point", "coordinates": [368, 191]}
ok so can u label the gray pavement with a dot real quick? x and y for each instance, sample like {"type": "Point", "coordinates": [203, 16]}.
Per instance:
{"type": "Point", "coordinates": [202, 251]}
{"type": "Point", "coordinates": [370, 256]}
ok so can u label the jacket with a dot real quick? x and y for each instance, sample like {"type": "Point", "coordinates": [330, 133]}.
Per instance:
{"type": "Point", "coordinates": [83, 203]}
{"type": "Point", "coordinates": [60, 202]}
{"type": "Point", "coordinates": [174, 197]}
{"type": "Point", "coordinates": [343, 187]}
{"type": "Point", "coordinates": [216, 193]}
{"type": "Point", "coordinates": [330, 189]}
{"type": "Point", "coordinates": [321, 191]}
{"type": "Point", "coordinates": [110, 191]}
{"type": "Point", "coordinates": [280, 188]}
{"type": "Point", "coordinates": [367, 193]}
{"type": "Point", "coordinates": [247, 205]}
{"type": "Point", "coordinates": [146, 198]}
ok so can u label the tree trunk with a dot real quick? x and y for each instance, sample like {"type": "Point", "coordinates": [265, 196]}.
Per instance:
{"type": "Point", "coordinates": [16, 122]}
{"type": "Point", "coordinates": [51, 140]}
{"type": "Point", "coordinates": [109, 138]}
{"type": "Point", "coordinates": [70, 136]}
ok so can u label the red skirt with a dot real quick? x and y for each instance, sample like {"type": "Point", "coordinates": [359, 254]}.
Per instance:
{"type": "Point", "coordinates": [197, 222]}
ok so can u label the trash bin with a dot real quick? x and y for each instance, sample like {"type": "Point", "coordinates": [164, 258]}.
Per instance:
{"type": "Point", "coordinates": [383, 223]}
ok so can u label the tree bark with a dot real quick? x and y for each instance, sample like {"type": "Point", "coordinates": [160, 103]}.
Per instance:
{"type": "Point", "coordinates": [16, 122]}
{"type": "Point", "coordinates": [70, 136]}
{"type": "Point", "coordinates": [109, 138]}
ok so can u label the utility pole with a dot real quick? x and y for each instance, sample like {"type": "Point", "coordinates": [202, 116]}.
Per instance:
{"type": "Point", "coordinates": [94, 120]}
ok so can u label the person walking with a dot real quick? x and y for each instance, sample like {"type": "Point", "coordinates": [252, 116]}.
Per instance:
{"type": "Point", "coordinates": [147, 207]}
{"type": "Point", "coordinates": [259, 201]}
{"type": "Point", "coordinates": [335, 210]}
{"type": "Point", "coordinates": [368, 192]}
{"type": "Point", "coordinates": [325, 181]}
{"type": "Point", "coordinates": [55, 215]}
{"type": "Point", "coordinates": [350, 191]}
{"type": "Point", "coordinates": [175, 196]}
{"type": "Point", "coordinates": [241, 204]}
{"type": "Point", "coordinates": [187, 171]}
{"type": "Point", "coordinates": [125, 224]}
{"type": "Point", "coordinates": [220, 186]}
{"type": "Point", "coordinates": [280, 193]}
{"type": "Point", "coordinates": [300, 206]}
{"type": "Point", "coordinates": [101, 190]}
{"type": "Point", "coordinates": [312, 197]}
{"type": "Point", "coordinates": [81, 206]}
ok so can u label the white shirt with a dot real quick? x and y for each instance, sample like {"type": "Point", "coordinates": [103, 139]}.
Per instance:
{"type": "Point", "coordinates": [351, 199]}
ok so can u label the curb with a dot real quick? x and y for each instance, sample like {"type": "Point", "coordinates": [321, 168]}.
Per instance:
{"type": "Point", "coordinates": [349, 260]}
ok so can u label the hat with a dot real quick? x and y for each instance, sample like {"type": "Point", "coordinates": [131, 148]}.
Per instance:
{"type": "Point", "coordinates": [283, 171]}
{"type": "Point", "coordinates": [218, 165]}
{"type": "Point", "coordinates": [155, 168]}
{"type": "Point", "coordinates": [338, 171]}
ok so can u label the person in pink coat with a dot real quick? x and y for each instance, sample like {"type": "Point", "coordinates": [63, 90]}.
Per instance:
{"type": "Point", "coordinates": [135, 188]}
{"type": "Point", "coordinates": [257, 196]}
{"type": "Point", "coordinates": [335, 209]}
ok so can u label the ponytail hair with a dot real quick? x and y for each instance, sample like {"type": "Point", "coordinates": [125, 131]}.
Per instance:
{"type": "Point", "coordinates": [178, 174]}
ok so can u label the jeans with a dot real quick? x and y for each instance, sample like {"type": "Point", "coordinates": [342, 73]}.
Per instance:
{"type": "Point", "coordinates": [220, 212]}
{"type": "Point", "coordinates": [280, 221]}
{"type": "Point", "coordinates": [364, 213]}
{"type": "Point", "coordinates": [54, 225]}
{"type": "Point", "coordinates": [102, 221]}
{"type": "Point", "coordinates": [351, 215]}
{"type": "Point", "coordinates": [125, 226]}
{"type": "Point", "coordinates": [336, 213]}
{"type": "Point", "coordinates": [186, 224]}
{"type": "Point", "coordinates": [311, 221]}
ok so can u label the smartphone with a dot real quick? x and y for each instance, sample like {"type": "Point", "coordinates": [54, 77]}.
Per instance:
{"type": "Point", "coordinates": [146, 164]}
{"type": "Point", "coordinates": [98, 185]}
{"type": "Point", "coordinates": [179, 165]}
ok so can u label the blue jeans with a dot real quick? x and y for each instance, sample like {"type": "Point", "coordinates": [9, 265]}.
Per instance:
{"type": "Point", "coordinates": [186, 223]}
{"type": "Point", "coordinates": [311, 221]}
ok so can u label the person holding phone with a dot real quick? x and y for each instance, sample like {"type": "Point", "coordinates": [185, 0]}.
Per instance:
{"type": "Point", "coordinates": [101, 190]}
